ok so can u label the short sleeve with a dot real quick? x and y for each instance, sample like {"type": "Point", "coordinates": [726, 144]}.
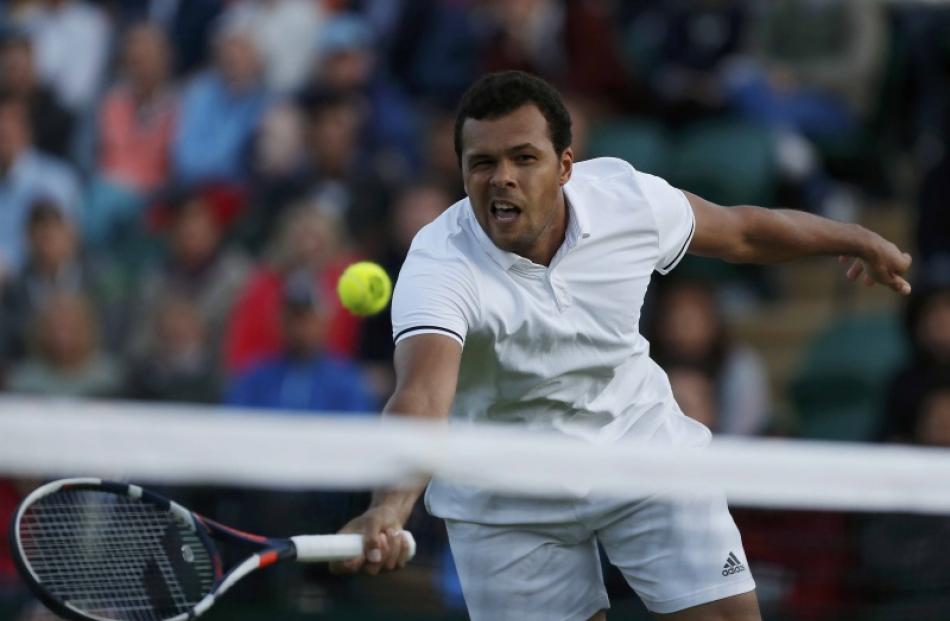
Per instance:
{"type": "Point", "coordinates": [433, 295]}
{"type": "Point", "coordinates": [674, 219]}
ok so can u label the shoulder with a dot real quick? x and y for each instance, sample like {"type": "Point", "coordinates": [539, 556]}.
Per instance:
{"type": "Point", "coordinates": [441, 236]}
{"type": "Point", "coordinates": [55, 173]}
{"type": "Point", "coordinates": [445, 244]}
{"type": "Point", "coordinates": [602, 168]}
{"type": "Point", "coordinates": [614, 174]}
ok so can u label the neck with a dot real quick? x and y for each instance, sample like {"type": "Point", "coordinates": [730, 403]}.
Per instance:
{"type": "Point", "coordinates": [145, 92]}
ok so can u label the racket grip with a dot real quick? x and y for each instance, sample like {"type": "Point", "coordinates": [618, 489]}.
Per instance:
{"type": "Point", "coordinates": [321, 548]}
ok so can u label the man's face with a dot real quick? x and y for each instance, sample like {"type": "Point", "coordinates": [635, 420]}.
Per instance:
{"type": "Point", "coordinates": [195, 234]}
{"type": "Point", "coordinates": [334, 138]}
{"type": "Point", "coordinates": [14, 132]}
{"type": "Point", "coordinates": [238, 60]}
{"type": "Point", "coordinates": [16, 68]}
{"type": "Point", "coordinates": [513, 178]}
{"type": "Point", "coordinates": [304, 331]}
{"type": "Point", "coordinates": [146, 57]}
{"type": "Point", "coordinates": [52, 242]}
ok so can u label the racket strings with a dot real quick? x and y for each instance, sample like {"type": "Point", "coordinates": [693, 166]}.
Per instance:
{"type": "Point", "coordinates": [115, 557]}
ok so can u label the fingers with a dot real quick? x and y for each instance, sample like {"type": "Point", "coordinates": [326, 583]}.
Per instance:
{"type": "Point", "coordinates": [376, 553]}
{"type": "Point", "coordinates": [892, 278]}
{"type": "Point", "coordinates": [901, 286]}
{"type": "Point", "coordinates": [384, 549]}
{"type": "Point", "coordinates": [855, 270]}
{"type": "Point", "coordinates": [396, 544]}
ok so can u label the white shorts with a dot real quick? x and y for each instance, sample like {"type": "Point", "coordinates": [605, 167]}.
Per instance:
{"type": "Point", "coordinates": [674, 553]}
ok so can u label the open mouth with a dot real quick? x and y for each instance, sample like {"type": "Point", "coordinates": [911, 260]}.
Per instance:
{"type": "Point", "coordinates": [503, 211]}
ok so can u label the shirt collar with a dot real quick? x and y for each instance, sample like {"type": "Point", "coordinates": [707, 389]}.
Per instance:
{"type": "Point", "coordinates": [580, 218]}
{"type": "Point", "coordinates": [578, 228]}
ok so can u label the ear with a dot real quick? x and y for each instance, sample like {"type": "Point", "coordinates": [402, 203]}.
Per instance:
{"type": "Point", "coordinates": [567, 166]}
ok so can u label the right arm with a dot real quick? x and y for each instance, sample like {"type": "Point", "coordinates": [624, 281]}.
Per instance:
{"type": "Point", "coordinates": [427, 367]}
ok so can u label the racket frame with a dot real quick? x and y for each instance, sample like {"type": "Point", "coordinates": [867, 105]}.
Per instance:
{"type": "Point", "coordinates": [312, 548]}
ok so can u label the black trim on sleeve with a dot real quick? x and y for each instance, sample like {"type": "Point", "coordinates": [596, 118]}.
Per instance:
{"type": "Point", "coordinates": [439, 328]}
{"type": "Point", "coordinates": [679, 255]}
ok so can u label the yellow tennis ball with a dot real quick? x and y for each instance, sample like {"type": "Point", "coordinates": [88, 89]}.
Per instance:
{"type": "Point", "coordinates": [364, 288]}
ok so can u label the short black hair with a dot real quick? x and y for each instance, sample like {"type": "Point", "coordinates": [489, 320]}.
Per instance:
{"type": "Point", "coordinates": [497, 94]}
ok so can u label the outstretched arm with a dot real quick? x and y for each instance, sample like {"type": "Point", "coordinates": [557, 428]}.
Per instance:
{"type": "Point", "coordinates": [747, 234]}
{"type": "Point", "coordinates": [427, 369]}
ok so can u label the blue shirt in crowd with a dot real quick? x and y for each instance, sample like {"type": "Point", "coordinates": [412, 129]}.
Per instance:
{"type": "Point", "coordinates": [32, 176]}
{"type": "Point", "coordinates": [215, 129]}
{"type": "Point", "coordinates": [321, 383]}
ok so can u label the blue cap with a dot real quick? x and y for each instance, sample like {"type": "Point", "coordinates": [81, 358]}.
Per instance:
{"type": "Point", "coordinates": [344, 33]}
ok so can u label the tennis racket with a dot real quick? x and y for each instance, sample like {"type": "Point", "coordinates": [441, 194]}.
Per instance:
{"type": "Point", "coordinates": [105, 551]}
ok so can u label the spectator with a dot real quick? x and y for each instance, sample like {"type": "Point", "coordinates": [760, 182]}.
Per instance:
{"type": "Point", "coordinates": [136, 124]}
{"type": "Point", "coordinates": [816, 67]}
{"type": "Point", "coordinates": [340, 180]}
{"type": "Point", "coordinates": [302, 376]}
{"type": "Point", "coordinates": [430, 46]}
{"type": "Point", "coordinates": [309, 239]}
{"type": "Point", "coordinates": [67, 360]}
{"type": "Point", "coordinates": [189, 25]}
{"type": "Point", "coordinates": [683, 50]}
{"type": "Point", "coordinates": [50, 123]}
{"type": "Point", "coordinates": [346, 62]}
{"type": "Point", "coordinates": [177, 362]}
{"type": "Point", "coordinates": [71, 39]}
{"type": "Point", "coordinates": [933, 221]}
{"type": "Point", "coordinates": [573, 44]}
{"type": "Point", "coordinates": [55, 265]}
{"type": "Point", "coordinates": [220, 111]}
{"type": "Point", "coordinates": [813, 79]}
{"type": "Point", "coordinates": [25, 176]}
{"type": "Point", "coordinates": [331, 174]}
{"type": "Point", "coordinates": [927, 323]}
{"type": "Point", "coordinates": [688, 329]}
{"type": "Point", "coordinates": [284, 32]}
{"type": "Point", "coordinates": [281, 174]}
{"type": "Point", "coordinates": [138, 114]}
{"type": "Point", "coordinates": [198, 267]}
{"type": "Point", "coordinates": [695, 392]}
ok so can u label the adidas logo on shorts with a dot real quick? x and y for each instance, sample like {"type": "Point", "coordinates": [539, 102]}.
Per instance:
{"type": "Point", "coordinates": [732, 566]}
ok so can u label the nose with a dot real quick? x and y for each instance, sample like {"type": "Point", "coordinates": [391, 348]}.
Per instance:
{"type": "Point", "coordinates": [503, 176]}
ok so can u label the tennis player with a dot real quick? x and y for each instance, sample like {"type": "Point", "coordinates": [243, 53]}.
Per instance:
{"type": "Point", "coordinates": [520, 305]}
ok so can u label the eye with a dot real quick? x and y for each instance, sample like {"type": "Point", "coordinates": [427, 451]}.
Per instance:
{"type": "Point", "coordinates": [479, 164]}
{"type": "Point", "coordinates": [524, 158]}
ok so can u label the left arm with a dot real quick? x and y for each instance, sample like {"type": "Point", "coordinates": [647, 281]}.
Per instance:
{"type": "Point", "coordinates": [746, 234]}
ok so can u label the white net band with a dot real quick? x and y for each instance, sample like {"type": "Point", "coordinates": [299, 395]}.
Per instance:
{"type": "Point", "coordinates": [200, 445]}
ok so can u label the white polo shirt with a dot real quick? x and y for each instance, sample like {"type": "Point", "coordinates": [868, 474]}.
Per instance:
{"type": "Point", "coordinates": [558, 347]}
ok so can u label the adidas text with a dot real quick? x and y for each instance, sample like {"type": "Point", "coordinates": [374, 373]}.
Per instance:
{"type": "Point", "coordinates": [732, 565]}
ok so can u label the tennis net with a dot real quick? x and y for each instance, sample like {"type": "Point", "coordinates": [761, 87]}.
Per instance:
{"type": "Point", "coordinates": [831, 530]}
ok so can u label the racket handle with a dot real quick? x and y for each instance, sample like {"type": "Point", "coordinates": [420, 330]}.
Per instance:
{"type": "Point", "coordinates": [321, 548]}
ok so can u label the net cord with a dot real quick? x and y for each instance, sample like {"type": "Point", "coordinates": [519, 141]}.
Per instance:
{"type": "Point", "coordinates": [209, 445]}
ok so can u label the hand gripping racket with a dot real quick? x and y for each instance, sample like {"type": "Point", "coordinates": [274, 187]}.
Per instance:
{"type": "Point", "coordinates": [104, 551]}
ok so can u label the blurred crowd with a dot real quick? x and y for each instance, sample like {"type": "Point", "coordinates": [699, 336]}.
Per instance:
{"type": "Point", "coordinates": [182, 182]}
